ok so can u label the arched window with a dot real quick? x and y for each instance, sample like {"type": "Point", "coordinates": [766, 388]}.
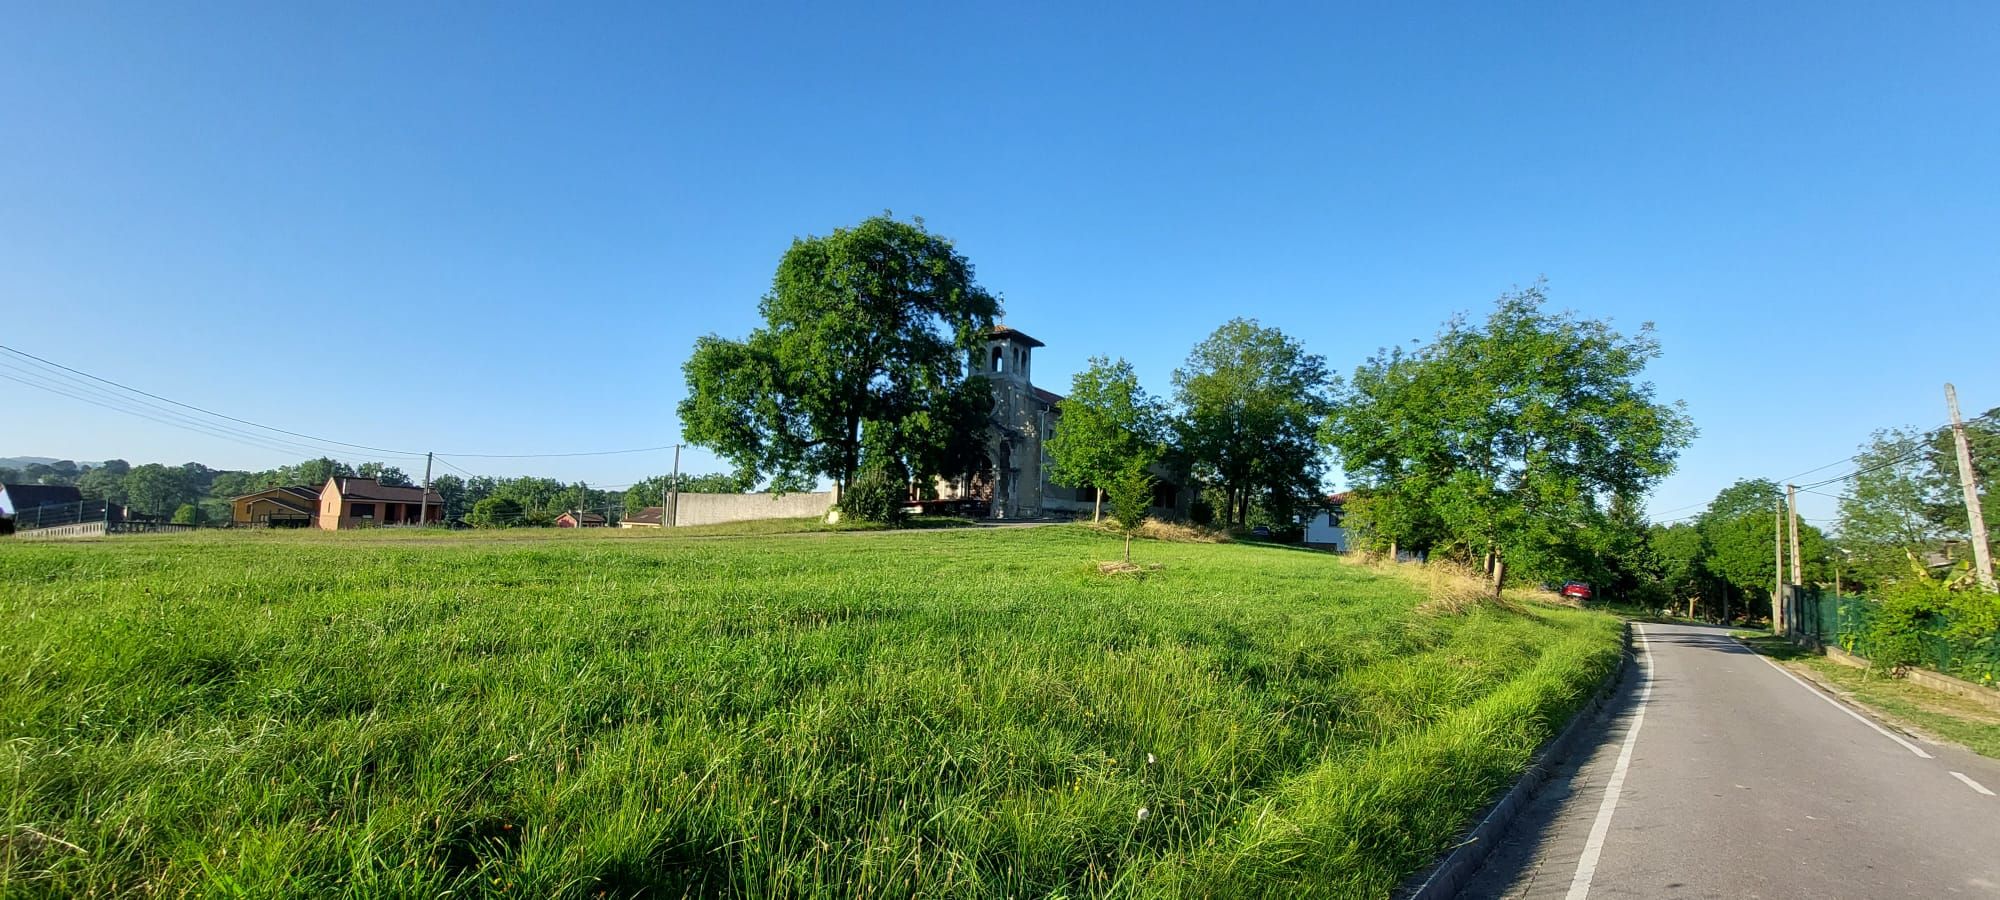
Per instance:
{"type": "Point", "coordinates": [997, 357]}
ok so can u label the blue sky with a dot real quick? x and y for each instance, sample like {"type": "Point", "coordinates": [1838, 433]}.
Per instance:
{"type": "Point", "coordinates": [499, 228]}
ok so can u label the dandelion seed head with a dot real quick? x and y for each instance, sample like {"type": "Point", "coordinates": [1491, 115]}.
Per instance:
{"type": "Point", "coordinates": [1142, 814]}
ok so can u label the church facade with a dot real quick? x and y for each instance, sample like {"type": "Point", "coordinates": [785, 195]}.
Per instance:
{"type": "Point", "coordinates": [1016, 484]}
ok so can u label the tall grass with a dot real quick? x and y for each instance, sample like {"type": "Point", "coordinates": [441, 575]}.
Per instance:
{"type": "Point", "coordinates": [948, 713]}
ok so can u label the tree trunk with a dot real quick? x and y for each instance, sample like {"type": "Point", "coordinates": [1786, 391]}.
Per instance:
{"type": "Point", "coordinates": [1499, 573]}
{"type": "Point", "coordinates": [1128, 548]}
{"type": "Point", "coordinates": [1487, 566]}
{"type": "Point", "coordinates": [1392, 551]}
{"type": "Point", "coordinates": [1097, 512]}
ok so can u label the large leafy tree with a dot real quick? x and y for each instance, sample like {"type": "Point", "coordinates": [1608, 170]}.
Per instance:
{"type": "Point", "coordinates": [158, 490]}
{"type": "Point", "coordinates": [105, 482]}
{"type": "Point", "coordinates": [1251, 403]}
{"type": "Point", "coordinates": [1680, 555]}
{"type": "Point", "coordinates": [1516, 433]}
{"type": "Point", "coordinates": [1108, 426]}
{"type": "Point", "coordinates": [867, 333]}
{"type": "Point", "coordinates": [1741, 531]}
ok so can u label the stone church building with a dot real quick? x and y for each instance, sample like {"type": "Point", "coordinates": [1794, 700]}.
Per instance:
{"type": "Point", "coordinates": [1017, 483]}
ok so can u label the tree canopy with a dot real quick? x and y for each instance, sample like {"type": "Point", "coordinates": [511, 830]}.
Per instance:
{"type": "Point", "coordinates": [1108, 425]}
{"type": "Point", "coordinates": [1251, 403]}
{"type": "Point", "coordinates": [1905, 496]}
{"type": "Point", "coordinates": [866, 342]}
{"type": "Point", "coordinates": [1513, 436]}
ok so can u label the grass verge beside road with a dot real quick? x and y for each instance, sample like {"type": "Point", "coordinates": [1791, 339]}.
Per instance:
{"type": "Point", "coordinates": [1939, 714]}
{"type": "Point", "coordinates": [961, 712]}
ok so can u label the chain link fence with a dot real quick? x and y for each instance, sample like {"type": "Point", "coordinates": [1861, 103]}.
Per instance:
{"type": "Point", "coordinates": [1849, 623]}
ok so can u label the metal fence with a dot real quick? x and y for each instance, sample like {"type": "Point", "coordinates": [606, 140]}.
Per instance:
{"type": "Point", "coordinates": [1847, 622]}
{"type": "Point", "coordinates": [116, 518]}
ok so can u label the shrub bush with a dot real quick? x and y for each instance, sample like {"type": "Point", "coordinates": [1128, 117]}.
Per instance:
{"type": "Point", "coordinates": [877, 495]}
{"type": "Point", "coordinates": [1910, 612]}
{"type": "Point", "coordinates": [494, 512]}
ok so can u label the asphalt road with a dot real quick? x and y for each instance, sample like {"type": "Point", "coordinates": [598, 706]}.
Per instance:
{"type": "Point", "coordinates": [1738, 781]}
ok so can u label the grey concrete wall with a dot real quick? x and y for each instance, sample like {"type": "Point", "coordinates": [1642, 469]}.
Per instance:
{"type": "Point", "coordinates": [710, 509]}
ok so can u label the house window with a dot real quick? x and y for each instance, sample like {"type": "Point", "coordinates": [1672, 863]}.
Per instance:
{"type": "Point", "coordinates": [362, 510]}
{"type": "Point", "coordinates": [998, 355]}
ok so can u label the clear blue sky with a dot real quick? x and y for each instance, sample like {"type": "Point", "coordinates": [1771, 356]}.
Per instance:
{"type": "Point", "coordinates": [448, 228]}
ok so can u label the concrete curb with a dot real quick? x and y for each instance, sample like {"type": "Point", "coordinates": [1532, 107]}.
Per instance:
{"type": "Point", "coordinates": [1447, 876]}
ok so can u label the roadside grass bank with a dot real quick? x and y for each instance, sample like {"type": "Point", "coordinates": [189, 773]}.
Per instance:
{"type": "Point", "coordinates": [958, 712]}
{"type": "Point", "coordinates": [1955, 719]}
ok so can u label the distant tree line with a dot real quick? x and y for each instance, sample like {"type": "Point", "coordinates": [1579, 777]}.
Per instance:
{"type": "Point", "coordinates": [196, 494]}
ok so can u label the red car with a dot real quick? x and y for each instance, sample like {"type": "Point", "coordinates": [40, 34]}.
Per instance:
{"type": "Point", "coordinates": [1576, 589]}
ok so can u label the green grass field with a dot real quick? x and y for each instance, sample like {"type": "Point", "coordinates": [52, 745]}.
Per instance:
{"type": "Point", "coordinates": [961, 712]}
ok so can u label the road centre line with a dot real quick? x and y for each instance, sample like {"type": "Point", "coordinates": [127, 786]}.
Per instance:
{"type": "Point", "coordinates": [1837, 704]}
{"type": "Point", "coordinates": [1586, 865]}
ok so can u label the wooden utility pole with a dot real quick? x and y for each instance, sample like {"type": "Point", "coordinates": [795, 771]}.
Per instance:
{"type": "Point", "coordinates": [676, 486]}
{"type": "Point", "coordinates": [1778, 567]}
{"type": "Point", "coordinates": [1982, 556]}
{"type": "Point", "coordinates": [1792, 505]}
{"type": "Point", "coordinates": [424, 515]}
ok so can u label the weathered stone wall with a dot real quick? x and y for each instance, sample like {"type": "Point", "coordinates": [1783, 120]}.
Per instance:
{"type": "Point", "coordinates": [710, 509]}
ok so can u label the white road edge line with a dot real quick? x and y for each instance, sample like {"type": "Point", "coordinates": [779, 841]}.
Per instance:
{"type": "Point", "coordinates": [1837, 704]}
{"type": "Point", "coordinates": [1586, 865]}
{"type": "Point", "coordinates": [1972, 784]}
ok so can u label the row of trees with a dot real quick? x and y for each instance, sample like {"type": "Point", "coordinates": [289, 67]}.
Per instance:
{"type": "Point", "coordinates": [194, 493]}
{"type": "Point", "coordinates": [1723, 562]}
{"type": "Point", "coordinates": [1247, 411]}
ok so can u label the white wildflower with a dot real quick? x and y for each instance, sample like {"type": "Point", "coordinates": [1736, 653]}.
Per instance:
{"type": "Point", "coordinates": [1150, 760]}
{"type": "Point", "coordinates": [1142, 814]}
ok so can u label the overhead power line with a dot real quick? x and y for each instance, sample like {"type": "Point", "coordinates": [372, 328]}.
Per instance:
{"type": "Point", "coordinates": [56, 378]}
{"type": "Point", "coordinates": [203, 411]}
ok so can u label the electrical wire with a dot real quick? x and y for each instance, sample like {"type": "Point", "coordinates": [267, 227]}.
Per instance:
{"type": "Point", "coordinates": [246, 436]}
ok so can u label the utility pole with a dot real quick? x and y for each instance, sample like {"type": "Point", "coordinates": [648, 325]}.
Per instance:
{"type": "Point", "coordinates": [675, 485]}
{"type": "Point", "coordinates": [1982, 556]}
{"type": "Point", "coordinates": [1778, 567]}
{"type": "Point", "coordinates": [424, 515]}
{"type": "Point", "coordinates": [1792, 504]}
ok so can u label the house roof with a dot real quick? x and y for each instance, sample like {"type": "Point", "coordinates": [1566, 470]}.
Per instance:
{"type": "Point", "coordinates": [298, 499]}
{"type": "Point", "coordinates": [352, 488]}
{"type": "Point", "coordinates": [1049, 397]}
{"type": "Point", "coordinates": [587, 517]}
{"type": "Point", "coordinates": [648, 516]}
{"type": "Point", "coordinates": [29, 496]}
{"type": "Point", "coordinates": [288, 492]}
{"type": "Point", "coordinates": [1003, 333]}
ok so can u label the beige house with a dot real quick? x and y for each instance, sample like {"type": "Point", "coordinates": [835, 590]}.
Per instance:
{"type": "Point", "coordinates": [348, 502]}
{"type": "Point", "coordinates": [292, 506]}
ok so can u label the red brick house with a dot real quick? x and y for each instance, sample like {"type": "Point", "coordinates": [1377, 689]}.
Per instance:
{"type": "Point", "coordinates": [347, 502]}
{"type": "Point", "coordinates": [590, 520]}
